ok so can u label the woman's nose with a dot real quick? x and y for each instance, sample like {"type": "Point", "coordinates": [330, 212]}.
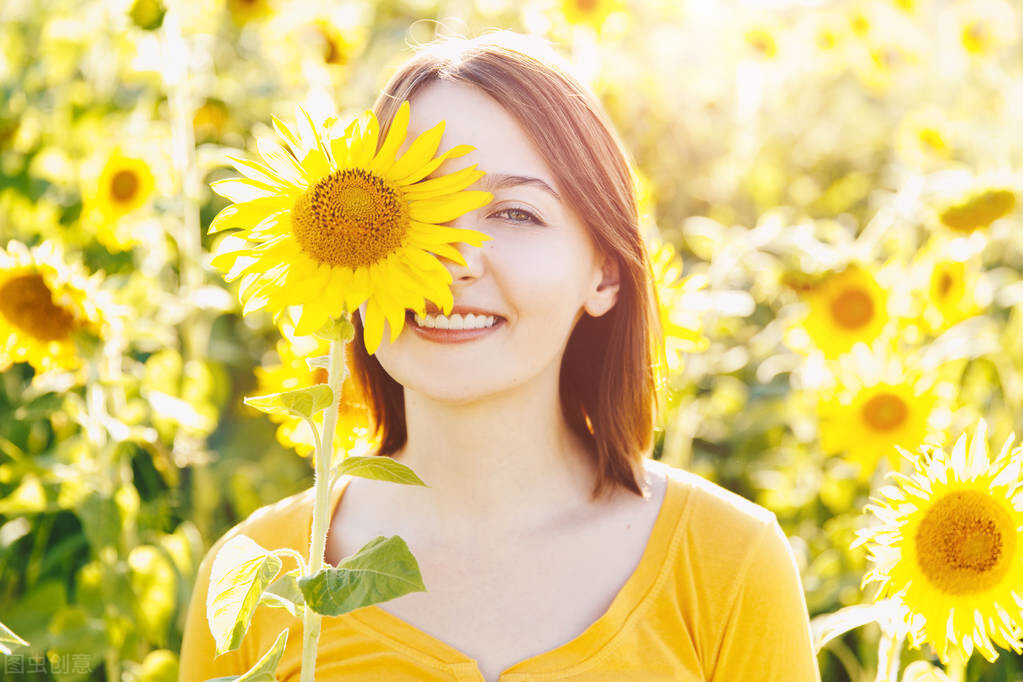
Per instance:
{"type": "Point", "coordinates": [474, 256]}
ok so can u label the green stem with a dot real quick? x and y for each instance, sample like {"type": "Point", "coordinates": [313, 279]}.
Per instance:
{"type": "Point", "coordinates": [317, 545]}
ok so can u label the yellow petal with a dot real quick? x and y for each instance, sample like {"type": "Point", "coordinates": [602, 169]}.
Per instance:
{"type": "Point", "coordinates": [446, 210]}
{"type": "Point", "coordinates": [419, 153]}
{"type": "Point", "coordinates": [446, 184]}
{"type": "Point", "coordinates": [374, 330]}
{"type": "Point", "coordinates": [443, 233]}
{"type": "Point", "coordinates": [288, 136]}
{"type": "Point", "coordinates": [392, 143]}
{"type": "Point", "coordinates": [257, 172]}
{"type": "Point", "coordinates": [358, 288]}
{"type": "Point", "coordinates": [430, 167]}
{"type": "Point", "coordinates": [315, 166]}
{"type": "Point", "coordinates": [248, 213]}
{"type": "Point", "coordinates": [278, 158]}
{"type": "Point", "coordinates": [366, 146]}
{"type": "Point", "coordinates": [240, 190]}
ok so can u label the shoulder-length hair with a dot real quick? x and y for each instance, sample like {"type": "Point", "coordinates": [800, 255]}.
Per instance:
{"type": "Point", "coordinates": [608, 377]}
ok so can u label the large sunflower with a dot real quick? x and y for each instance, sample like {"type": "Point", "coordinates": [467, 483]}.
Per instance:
{"type": "Point", "coordinates": [353, 421]}
{"type": "Point", "coordinates": [846, 308]}
{"type": "Point", "coordinates": [332, 222]}
{"type": "Point", "coordinates": [43, 303]}
{"type": "Point", "coordinates": [949, 547]}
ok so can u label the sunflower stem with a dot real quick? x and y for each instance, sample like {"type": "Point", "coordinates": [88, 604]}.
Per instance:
{"type": "Point", "coordinates": [317, 545]}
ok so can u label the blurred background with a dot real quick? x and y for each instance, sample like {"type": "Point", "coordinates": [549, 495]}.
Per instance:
{"type": "Point", "coordinates": [828, 189]}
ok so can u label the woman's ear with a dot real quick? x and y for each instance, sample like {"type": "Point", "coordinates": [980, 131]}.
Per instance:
{"type": "Point", "coordinates": [603, 297]}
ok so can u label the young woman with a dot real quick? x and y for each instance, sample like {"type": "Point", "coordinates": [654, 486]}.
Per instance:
{"type": "Point", "coordinates": [551, 545]}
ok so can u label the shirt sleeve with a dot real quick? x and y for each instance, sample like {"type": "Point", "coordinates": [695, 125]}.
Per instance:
{"type": "Point", "coordinates": [198, 660]}
{"type": "Point", "coordinates": [766, 634]}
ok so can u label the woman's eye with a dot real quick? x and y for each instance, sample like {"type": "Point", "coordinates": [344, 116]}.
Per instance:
{"type": "Point", "coordinates": [519, 215]}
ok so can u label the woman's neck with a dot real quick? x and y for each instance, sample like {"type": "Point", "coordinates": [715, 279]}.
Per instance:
{"type": "Point", "coordinates": [504, 464]}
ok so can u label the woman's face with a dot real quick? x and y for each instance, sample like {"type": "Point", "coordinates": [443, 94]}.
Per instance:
{"type": "Point", "coordinates": [539, 270]}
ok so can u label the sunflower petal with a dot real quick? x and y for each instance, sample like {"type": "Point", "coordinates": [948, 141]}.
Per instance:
{"type": "Point", "coordinates": [278, 158]}
{"type": "Point", "coordinates": [246, 213]}
{"type": "Point", "coordinates": [374, 329]}
{"type": "Point", "coordinates": [366, 145]}
{"type": "Point", "coordinates": [448, 209]}
{"type": "Point", "coordinates": [358, 288]}
{"type": "Point", "coordinates": [256, 171]}
{"type": "Point", "coordinates": [419, 153]}
{"type": "Point", "coordinates": [241, 190]}
{"type": "Point", "coordinates": [392, 143]}
{"type": "Point", "coordinates": [446, 184]}
{"type": "Point", "coordinates": [426, 169]}
{"type": "Point", "coordinates": [315, 165]}
{"type": "Point", "coordinates": [289, 137]}
{"type": "Point", "coordinates": [443, 233]}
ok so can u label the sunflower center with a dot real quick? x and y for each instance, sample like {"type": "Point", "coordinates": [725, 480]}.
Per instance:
{"type": "Point", "coordinates": [27, 303]}
{"type": "Point", "coordinates": [965, 542]}
{"type": "Point", "coordinates": [124, 185]}
{"type": "Point", "coordinates": [586, 5]}
{"type": "Point", "coordinates": [944, 284]}
{"type": "Point", "coordinates": [351, 218]}
{"type": "Point", "coordinates": [852, 308]}
{"type": "Point", "coordinates": [884, 411]}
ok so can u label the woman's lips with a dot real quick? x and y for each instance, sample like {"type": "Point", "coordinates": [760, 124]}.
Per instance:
{"type": "Point", "coordinates": [450, 335]}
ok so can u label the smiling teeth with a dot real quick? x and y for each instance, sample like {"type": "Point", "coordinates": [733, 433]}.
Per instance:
{"type": "Point", "coordinates": [456, 321]}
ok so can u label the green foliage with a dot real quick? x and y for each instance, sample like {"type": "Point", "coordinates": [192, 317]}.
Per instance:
{"type": "Point", "coordinates": [381, 570]}
{"type": "Point", "coordinates": [241, 572]}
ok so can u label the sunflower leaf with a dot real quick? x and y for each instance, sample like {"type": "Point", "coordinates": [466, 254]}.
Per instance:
{"type": "Point", "coordinates": [7, 637]}
{"type": "Point", "coordinates": [304, 402]}
{"type": "Point", "coordinates": [318, 362]}
{"type": "Point", "coordinates": [382, 570]}
{"type": "Point", "coordinates": [378, 468]}
{"type": "Point", "coordinates": [241, 572]}
{"type": "Point", "coordinates": [336, 329]}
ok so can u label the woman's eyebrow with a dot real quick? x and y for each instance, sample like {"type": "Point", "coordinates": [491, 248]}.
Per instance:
{"type": "Point", "coordinates": [493, 181]}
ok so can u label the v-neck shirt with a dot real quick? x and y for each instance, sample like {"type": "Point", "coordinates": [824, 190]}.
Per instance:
{"type": "Point", "coordinates": [715, 596]}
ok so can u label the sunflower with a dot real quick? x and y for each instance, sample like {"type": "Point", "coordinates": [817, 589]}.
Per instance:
{"type": "Point", "coordinates": [354, 421]}
{"type": "Point", "coordinates": [761, 42]}
{"type": "Point", "coordinates": [44, 302]}
{"type": "Point", "coordinates": [949, 548]}
{"type": "Point", "coordinates": [984, 26]}
{"type": "Point", "coordinates": [924, 136]}
{"type": "Point", "coordinates": [125, 184]}
{"type": "Point", "coordinates": [847, 307]}
{"type": "Point", "coordinates": [332, 222]}
{"type": "Point", "coordinates": [878, 402]}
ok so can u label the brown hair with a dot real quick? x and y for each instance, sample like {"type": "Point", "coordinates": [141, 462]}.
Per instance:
{"type": "Point", "coordinates": [608, 377]}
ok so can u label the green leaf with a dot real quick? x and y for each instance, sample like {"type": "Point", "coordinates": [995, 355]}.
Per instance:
{"type": "Point", "coordinates": [339, 329]}
{"type": "Point", "coordinates": [7, 637]}
{"type": "Point", "coordinates": [383, 569]}
{"type": "Point", "coordinates": [303, 402]}
{"type": "Point", "coordinates": [285, 593]}
{"type": "Point", "coordinates": [318, 362]}
{"type": "Point", "coordinates": [377, 467]}
{"type": "Point", "coordinates": [241, 571]}
{"type": "Point", "coordinates": [264, 669]}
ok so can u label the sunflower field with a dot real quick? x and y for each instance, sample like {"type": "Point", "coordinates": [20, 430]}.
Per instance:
{"type": "Point", "coordinates": [829, 192]}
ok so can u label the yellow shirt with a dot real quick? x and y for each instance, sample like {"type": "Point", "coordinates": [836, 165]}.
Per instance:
{"type": "Point", "coordinates": [716, 596]}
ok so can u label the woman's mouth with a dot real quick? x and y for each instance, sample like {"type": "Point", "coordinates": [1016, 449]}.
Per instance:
{"type": "Point", "coordinates": [439, 335]}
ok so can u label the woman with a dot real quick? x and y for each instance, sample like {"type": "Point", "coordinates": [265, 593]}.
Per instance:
{"type": "Point", "coordinates": [551, 546]}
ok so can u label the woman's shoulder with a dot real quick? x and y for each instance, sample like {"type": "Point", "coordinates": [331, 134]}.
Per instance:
{"type": "Point", "coordinates": [715, 526]}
